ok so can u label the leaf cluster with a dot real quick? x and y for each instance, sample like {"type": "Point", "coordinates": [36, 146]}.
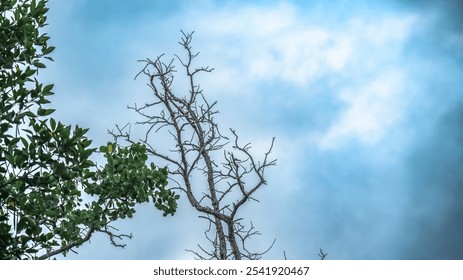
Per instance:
{"type": "Point", "coordinates": [46, 167]}
{"type": "Point", "coordinates": [126, 180]}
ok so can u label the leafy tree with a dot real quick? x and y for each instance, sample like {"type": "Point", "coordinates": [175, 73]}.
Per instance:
{"type": "Point", "coordinates": [46, 166]}
{"type": "Point", "coordinates": [218, 175]}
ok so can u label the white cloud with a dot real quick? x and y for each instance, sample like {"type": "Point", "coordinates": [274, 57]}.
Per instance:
{"type": "Point", "coordinates": [360, 59]}
{"type": "Point", "coordinates": [371, 109]}
{"type": "Point", "coordinates": [339, 53]}
{"type": "Point", "coordinates": [272, 43]}
{"type": "Point", "coordinates": [278, 43]}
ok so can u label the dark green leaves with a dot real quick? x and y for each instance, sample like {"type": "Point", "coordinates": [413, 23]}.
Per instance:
{"type": "Point", "coordinates": [48, 50]}
{"type": "Point", "coordinates": [39, 64]}
{"type": "Point", "coordinates": [126, 180]}
{"type": "Point", "coordinates": [44, 112]}
{"type": "Point", "coordinates": [45, 165]}
{"type": "Point", "coordinates": [48, 88]}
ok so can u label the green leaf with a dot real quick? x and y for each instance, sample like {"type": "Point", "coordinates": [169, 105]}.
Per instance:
{"type": "Point", "coordinates": [68, 208]}
{"type": "Point", "coordinates": [88, 163]}
{"type": "Point", "coordinates": [86, 143]}
{"type": "Point", "coordinates": [39, 64]}
{"type": "Point", "coordinates": [22, 224]}
{"type": "Point", "coordinates": [29, 114]}
{"type": "Point", "coordinates": [109, 147]}
{"type": "Point", "coordinates": [48, 88]}
{"type": "Point", "coordinates": [144, 157]}
{"type": "Point", "coordinates": [44, 112]}
{"type": "Point", "coordinates": [52, 124]}
{"type": "Point", "coordinates": [29, 72]}
{"type": "Point", "coordinates": [48, 50]}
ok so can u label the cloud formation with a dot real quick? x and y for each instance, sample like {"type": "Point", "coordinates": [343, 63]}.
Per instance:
{"type": "Point", "coordinates": [364, 100]}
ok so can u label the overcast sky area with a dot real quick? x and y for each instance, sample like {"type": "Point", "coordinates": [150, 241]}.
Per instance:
{"type": "Point", "coordinates": [365, 99]}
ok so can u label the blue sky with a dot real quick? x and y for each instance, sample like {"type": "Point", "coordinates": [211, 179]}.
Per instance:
{"type": "Point", "coordinates": [364, 98]}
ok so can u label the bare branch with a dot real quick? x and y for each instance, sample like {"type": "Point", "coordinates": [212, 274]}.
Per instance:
{"type": "Point", "coordinates": [322, 254]}
{"type": "Point", "coordinates": [188, 120]}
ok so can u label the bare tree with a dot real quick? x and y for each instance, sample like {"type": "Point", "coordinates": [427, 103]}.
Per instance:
{"type": "Point", "coordinates": [230, 174]}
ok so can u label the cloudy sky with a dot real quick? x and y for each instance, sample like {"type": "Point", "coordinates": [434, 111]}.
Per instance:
{"type": "Point", "coordinates": [364, 98]}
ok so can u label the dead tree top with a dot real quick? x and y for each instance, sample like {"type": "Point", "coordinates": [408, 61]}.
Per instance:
{"type": "Point", "coordinates": [231, 174]}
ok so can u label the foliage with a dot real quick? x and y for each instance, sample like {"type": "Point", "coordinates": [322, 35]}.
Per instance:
{"type": "Point", "coordinates": [45, 165]}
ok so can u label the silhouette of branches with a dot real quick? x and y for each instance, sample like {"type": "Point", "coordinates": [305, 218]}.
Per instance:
{"type": "Point", "coordinates": [225, 185]}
